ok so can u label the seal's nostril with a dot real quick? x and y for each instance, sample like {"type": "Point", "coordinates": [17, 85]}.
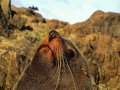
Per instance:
{"type": "Point", "coordinates": [52, 35]}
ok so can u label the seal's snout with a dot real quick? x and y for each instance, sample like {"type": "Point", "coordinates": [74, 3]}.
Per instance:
{"type": "Point", "coordinates": [53, 34]}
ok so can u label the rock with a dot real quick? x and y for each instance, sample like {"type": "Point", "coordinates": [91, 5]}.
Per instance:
{"type": "Point", "coordinates": [3, 23]}
{"type": "Point", "coordinates": [6, 6]}
{"type": "Point", "coordinates": [5, 12]}
{"type": "Point", "coordinates": [54, 24]}
{"type": "Point", "coordinates": [99, 22]}
{"type": "Point", "coordinates": [30, 12]}
{"type": "Point", "coordinates": [18, 22]}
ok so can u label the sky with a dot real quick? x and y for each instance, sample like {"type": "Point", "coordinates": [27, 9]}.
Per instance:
{"type": "Point", "coordinates": [71, 11]}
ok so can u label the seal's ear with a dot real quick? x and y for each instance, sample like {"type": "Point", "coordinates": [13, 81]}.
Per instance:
{"type": "Point", "coordinates": [70, 53]}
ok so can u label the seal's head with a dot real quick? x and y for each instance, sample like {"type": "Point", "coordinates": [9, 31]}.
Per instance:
{"type": "Point", "coordinates": [55, 48]}
{"type": "Point", "coordinates": [57, 65]}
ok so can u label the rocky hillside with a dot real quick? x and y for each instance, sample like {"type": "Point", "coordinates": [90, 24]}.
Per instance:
{"type": "Point", "coordinates": [98, 38]}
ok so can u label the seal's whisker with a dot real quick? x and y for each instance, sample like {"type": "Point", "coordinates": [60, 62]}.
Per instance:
{"type": "Point", "coordinates": [60, 63]}
{"type": "Point", "coordinates": [63, 63]}
{"type": "Point", "coordinates": [53, 77]}
{"type": "Point", "coordinates": [58, 75]}
{"type": "Point", "coordinates": [71, 73]}
{"type": "Point", "coordinates": [56, 72]}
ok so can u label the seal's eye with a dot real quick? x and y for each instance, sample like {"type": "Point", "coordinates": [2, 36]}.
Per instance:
{"type": "Point", "coordinates": [70, 54]}
{"type": "Point", "coordinates": [52, 35]}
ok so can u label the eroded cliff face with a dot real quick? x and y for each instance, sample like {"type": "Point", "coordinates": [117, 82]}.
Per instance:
{"type": "Point", "coordinates": [98, 38]}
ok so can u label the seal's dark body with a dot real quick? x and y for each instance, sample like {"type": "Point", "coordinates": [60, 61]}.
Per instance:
{"type": "Point", "coordinates": [41, 74]}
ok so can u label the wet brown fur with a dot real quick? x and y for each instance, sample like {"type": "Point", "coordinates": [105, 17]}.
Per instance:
{"type": "Point", "coordinates": [57, 65]}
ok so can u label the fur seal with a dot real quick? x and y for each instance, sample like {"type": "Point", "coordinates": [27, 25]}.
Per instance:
{"type": "Point", "coordinates": [57, 65]}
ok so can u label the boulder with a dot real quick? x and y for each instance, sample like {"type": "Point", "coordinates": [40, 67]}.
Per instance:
{"type": "Point", "coordinates": [6, 7]}
{"type": "Point", "coordinates": [3, 22]}
{"type": "Point", "coordinates": [5, 12]}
